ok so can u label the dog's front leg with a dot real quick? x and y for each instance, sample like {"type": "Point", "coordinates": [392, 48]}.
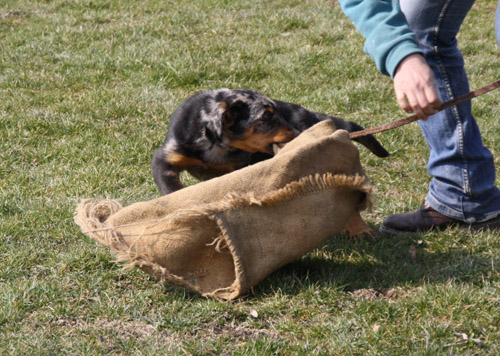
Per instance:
{"type": "Point", "coordinates": [166, 175]}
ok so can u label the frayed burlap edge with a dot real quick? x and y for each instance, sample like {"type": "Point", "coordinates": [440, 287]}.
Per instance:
{"type": "Point", "coordinates": [91, 216]}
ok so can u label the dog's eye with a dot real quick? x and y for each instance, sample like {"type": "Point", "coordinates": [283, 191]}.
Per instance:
{"type": "Point", "coordinates": [267, 115]}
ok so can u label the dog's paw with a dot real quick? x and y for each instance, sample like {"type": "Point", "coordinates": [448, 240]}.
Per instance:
{"type": "Point", "coordinates": [356, 228]}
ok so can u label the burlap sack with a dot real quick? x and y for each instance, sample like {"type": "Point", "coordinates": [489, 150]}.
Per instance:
{"type": "Point", "coordinates": [221, 237]}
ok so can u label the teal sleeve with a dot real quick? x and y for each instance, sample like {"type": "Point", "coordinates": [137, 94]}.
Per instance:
{"type": "Point", "coordinates": [388, 37]}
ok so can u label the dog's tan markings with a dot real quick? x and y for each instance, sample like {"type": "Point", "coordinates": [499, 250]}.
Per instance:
{"type": "Point", "coordinates": [180, 160]}
{"type": "Point", "coordinates": [261, 142]}
{"type": "Point", "coordinates": [223, 168]}
{"type": "Point", "coordinates": [283, 135]}
{"type": "Point", "coordinates": [255, 143]}
{"type": "Point", "coordinates": [252, 142]}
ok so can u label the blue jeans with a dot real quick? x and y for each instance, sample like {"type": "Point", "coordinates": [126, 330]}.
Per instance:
{"type": "Point", "coordinates": [463, 169]}
{"type": "Point", "coordinates": [497, 23]}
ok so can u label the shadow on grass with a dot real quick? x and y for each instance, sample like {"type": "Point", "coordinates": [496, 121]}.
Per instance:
{"type": "Point", "coordinates": [352, 265]}
{"type": "Point", "coordinates": [348, 265]}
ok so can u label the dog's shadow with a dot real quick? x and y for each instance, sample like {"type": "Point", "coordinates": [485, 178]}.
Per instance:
{"type": "Point", "coordinates": [388, 263]}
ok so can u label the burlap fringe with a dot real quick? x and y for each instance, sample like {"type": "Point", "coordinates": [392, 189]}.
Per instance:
{"type": "Point", "coordinates": [91, 215]}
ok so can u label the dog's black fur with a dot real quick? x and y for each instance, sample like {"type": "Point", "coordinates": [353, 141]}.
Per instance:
{"type": "Point", "coordinates": [218, 131]}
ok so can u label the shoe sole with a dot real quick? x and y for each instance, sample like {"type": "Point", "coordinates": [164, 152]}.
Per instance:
{"type": "Point", "coordinates": [387, 231]}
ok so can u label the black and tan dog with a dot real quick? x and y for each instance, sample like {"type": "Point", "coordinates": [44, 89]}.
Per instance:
{"type": "Point", "coordinates": [218, 131]}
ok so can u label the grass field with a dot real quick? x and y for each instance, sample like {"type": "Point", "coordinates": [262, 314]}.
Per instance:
{"type": "Point", "coordinates": [86, 89]}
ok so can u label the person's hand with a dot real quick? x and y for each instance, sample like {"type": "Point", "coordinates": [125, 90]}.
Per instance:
{"type": "Point", "coordinates": [415, 88]}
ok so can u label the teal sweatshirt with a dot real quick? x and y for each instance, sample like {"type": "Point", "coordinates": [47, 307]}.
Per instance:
{"type": "Point", "coordinates": [388, 38]}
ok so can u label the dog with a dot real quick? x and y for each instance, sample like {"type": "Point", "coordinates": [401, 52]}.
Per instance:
{"type": "Point", "coordinates": [218, 131]}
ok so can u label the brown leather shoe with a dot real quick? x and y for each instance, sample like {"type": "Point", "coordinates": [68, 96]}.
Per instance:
{"type": "Point", "coordinates": [426, 219]}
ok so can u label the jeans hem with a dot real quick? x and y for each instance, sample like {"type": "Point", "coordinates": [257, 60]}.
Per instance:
{"type": "Point", "coordinates": [435, 204]}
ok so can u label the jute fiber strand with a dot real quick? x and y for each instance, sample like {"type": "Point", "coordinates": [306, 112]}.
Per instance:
{"type": "Point", "coordinates": [221, 237]}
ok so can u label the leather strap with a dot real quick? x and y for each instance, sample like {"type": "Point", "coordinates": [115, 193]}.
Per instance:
{"type": "Point", "coordinates": [412, 118]}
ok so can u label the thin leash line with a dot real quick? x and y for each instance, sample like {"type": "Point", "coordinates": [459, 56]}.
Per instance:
{"type": "Point", "coordinates": [412, 118]}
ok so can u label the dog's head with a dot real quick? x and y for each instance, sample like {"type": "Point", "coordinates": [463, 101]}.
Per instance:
{"type": "Point", "coordinates": [249, 121]}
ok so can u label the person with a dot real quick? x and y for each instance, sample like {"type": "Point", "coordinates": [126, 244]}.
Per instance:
{"type": "Point", "coordinates": [497, 23]}
{"type": "Point", "coordinates": [414, 41]}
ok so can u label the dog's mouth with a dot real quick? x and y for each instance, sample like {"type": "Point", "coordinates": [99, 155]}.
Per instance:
{"type": "Point", "coordinates": [281, 140]}
{"type": "Point", "coordinates": [267, 149]}
{"type": "Point", "coordinates": [276, 147]}
{"type": "Point", "coordinates": [261, 143]}
{"type": "Point", "coordinates": [284, 135]}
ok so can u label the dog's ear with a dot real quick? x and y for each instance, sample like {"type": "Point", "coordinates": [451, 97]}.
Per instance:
{"type": "Point", "coordinates": [225, 116]}
{"type": "Point", "coordinates": [214, 126]}
{"type": "Point", "coordinates": [213, 129]}
{"type": "Point", "coordinates": [234, 112]}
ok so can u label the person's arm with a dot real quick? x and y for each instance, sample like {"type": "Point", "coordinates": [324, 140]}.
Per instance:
{"type": "Point", "coordinates": [392, 45]}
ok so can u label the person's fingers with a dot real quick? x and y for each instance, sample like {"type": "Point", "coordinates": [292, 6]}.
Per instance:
{"type": "Point", "coordinates": [432, 96]}
{"type": "Point", "coordinates": [417, 103]}
{"type": "Point", "coordinates": [415, 87]}
{"type": "Point", "coordinates": [402, 101]}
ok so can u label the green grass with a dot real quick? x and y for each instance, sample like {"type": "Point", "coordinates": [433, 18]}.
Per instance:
{"type": "Point", "coordinates": [86, 89]}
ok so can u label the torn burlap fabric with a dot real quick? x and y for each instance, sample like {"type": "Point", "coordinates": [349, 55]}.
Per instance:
{"type": "Point", "coordinates": [221, 237]}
